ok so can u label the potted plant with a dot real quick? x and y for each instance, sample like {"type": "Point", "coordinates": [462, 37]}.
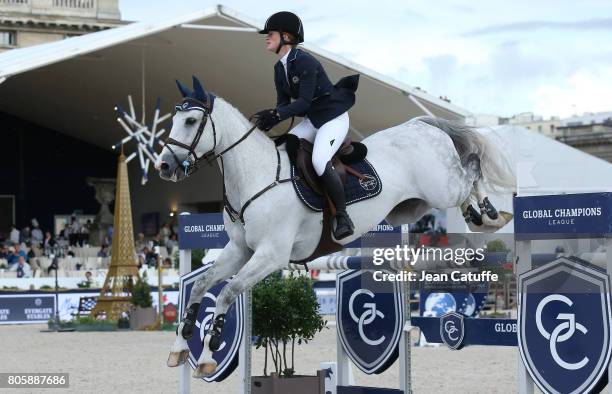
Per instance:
{"type": "Point", "coordinates": [285, 313]}
{"type": "Point", "coordinates": [142, 314]}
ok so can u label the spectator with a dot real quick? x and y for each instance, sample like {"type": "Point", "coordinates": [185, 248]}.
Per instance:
{"type": "Point", "coordinates": [4, 252]}
{"type": "Point", "coordinates": [88, 279]}
{"type": "Point", "coordinates": [75, 230]}
{"type": "Point", "coordinates": [85, 230]}
{"type": "Point", "coordinates": [37, 234]}
{"type": "Point", "coordinates": [165, 233]}
{"type": "Point", "coordinates": [103, 252]}
{"type": "Point", "coordinates": [150, 257]}
{"type": "Point", "coordinates": [140, 242]}
{"type": "Point", "coordinates": [16, 252]}
{"type": "Point", "coordinates": [14, 235]}
{"type": "Point", "coordinates": [141, 260]}
{"type": "Point", "coordinates": [48, 241]}
{"type": "Point", "coordinates": [33, 252]}
{"type": "Point", "coordinates": [65, 233]}
{"type": "Point", "coordinates": [24, 236]}
{"type": "Point", "coordinates": [109, 236]}
{"type": "Point", "coordinates": [157, 240]}
{"type": "Point", "coordinates": [23, 269]}
{"type": "Point", "coordinates": [171, 244]}
{"type": "Point", "coordinates": [167, 262]}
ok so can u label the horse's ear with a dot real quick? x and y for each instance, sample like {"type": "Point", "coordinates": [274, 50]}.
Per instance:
{"type": "Point", "coordinates": [198, 90]}
{"type": "Point", "coordinates": [184, 91]}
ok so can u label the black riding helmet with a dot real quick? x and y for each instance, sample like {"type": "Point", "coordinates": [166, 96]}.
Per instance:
{"type": "Point", "coordinates": [285, 22]}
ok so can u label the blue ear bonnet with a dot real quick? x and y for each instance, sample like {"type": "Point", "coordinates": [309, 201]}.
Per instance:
{"type": "Point", "coordinates": [197, 99]}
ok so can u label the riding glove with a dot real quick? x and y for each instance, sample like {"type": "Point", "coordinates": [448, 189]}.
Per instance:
{"type": "Point", "coordinates": [267, 119]}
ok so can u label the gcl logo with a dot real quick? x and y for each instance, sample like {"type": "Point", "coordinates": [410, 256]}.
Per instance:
{"type": "Point", "coordinates": [568, 325]}
{"type": "Point", "coordinates": [564, 325]}
{"type": "Point", "coordinates": [370, 319]}
{"type": "Point", "coordinates": [369, 314]}
{"type": "Point", "coordinates": [452, 330]}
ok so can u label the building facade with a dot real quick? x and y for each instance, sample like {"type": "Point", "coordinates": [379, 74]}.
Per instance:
{"type": "Point", "coordinates": [591, 133]}
{"type": "Point", "coordinates": [30, 22]}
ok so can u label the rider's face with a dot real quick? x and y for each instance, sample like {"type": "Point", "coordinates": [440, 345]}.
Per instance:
{"type": "Point", "coordinates": [272, 40]}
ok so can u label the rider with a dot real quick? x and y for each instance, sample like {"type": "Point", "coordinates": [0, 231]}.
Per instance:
{"type": "Point", "coordinates": [303, 89]}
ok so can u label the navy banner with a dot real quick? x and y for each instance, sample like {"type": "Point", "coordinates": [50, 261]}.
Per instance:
{"type": "Point", "coordinates": [202, 231]}
{"type": "Point", "coordinates": [207, 231]}
{"type": "Point", "coordinates": [26, 308]}
{"type": "Point", "coordinates": [563, 216]}
{"type": "Point", "coordinates": [474, 331]}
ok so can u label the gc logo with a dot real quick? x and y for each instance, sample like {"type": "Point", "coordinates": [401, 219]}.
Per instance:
{"type": "Point", "coordinates": [451, 330]}
{"type": "Point", "coordinates": [555, 337]}
{"type": "Point", "coordinates": [367, 317]}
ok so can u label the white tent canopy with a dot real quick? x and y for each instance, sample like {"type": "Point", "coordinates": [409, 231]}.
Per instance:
{"type": "Point", "coordinates": [72, 85]}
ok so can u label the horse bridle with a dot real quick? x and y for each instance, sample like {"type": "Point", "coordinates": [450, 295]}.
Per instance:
{"type": "Point", "coordinates": [191, 163]}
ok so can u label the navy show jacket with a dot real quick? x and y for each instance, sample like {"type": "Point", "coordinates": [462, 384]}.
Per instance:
{"type": "Point", "coordinates": [313, 93]}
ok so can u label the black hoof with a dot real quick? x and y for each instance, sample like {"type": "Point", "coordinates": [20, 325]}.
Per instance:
{"type": "Point", "coordinates": [189, 321]}
{"type": "Point", "coordinates": [488, 208]}
{"type": "Point", "coordinates": [471, 215]}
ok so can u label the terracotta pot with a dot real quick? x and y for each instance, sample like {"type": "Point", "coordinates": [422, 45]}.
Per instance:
{"type": "Point", "coordinates": [298, 384]}
{"type": "Point", "coordinates": [142, 317]}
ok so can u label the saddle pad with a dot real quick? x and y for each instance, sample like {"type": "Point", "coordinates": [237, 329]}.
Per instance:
{"type": "Point", "coordinates": [355, 189]}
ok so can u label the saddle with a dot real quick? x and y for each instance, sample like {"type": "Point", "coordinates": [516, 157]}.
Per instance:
{"type": "Point", "coordinates": [349, 152]}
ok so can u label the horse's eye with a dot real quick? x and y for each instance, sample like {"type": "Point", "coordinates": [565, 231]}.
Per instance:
{"type": "Point", "coordinates": [190, 121]}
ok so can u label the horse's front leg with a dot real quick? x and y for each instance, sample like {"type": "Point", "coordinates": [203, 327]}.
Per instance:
{"type": "Point", "coordinates": [265, 260]}
{"type": "Point", "coordinates": [227, 264]}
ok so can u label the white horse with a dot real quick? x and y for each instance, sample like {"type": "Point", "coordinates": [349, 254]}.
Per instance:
{"type": "Point", "coordinates": [423, 163]}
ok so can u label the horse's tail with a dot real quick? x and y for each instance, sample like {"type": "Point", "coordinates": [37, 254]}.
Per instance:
{"type": "Point", "coordinates": [496, 169]}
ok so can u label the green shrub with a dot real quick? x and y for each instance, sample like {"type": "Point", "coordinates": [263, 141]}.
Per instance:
{"type": "Point", "coordinates": [285, 311]}
{"type": "Point", "coordinates": [141, 294]}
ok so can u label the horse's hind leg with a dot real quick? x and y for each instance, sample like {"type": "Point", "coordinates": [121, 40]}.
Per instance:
{"type": "Point", "coordinates": [264, 261]}
{"type": "Point", "coordinates": [226, 265]}
{"type": "Point", "coordinates": [488, 219]}
{"type": "Point", "coordinates": [471, 164]}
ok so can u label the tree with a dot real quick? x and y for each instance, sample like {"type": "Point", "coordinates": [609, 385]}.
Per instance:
{"type": "Point", "coordinates": [285, 311]}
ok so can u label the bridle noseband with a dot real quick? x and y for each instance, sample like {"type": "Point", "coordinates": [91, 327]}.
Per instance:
{"type": "Point", "coordinates": [191, 163]}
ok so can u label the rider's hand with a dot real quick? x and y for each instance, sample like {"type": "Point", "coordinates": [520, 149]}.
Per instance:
{"type": "Point", "coordinates": [267, 119]}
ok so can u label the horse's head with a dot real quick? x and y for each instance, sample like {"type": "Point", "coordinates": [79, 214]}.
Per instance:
{"type": "Point", "coordinates": [192, 137]}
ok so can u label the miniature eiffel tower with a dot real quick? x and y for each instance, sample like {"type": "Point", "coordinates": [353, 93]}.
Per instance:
{"type": "Point", "coordinates": [116, 294]}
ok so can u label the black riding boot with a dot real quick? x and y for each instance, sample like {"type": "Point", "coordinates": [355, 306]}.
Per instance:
{"type": "Point", "coordinates": [335, 189]}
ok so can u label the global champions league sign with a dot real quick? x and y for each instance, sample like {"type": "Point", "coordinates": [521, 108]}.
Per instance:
{"type": "Point", "coordinates": [565, 216]}
{"type": "Point", "coordinates": [564, 306]}
{"type": "Point", "coordinates": [564, 325]}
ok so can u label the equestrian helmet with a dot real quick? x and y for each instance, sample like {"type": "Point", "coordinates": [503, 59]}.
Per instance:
{"type": "Point", "coordinates": [286, 22]}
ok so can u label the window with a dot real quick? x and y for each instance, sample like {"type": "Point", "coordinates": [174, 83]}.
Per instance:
{"type": "Point", "coordinates": [7, 39]}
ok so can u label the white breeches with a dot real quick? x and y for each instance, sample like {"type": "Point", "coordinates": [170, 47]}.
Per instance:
{"type": "Point", "coordinates": [326, 139]}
